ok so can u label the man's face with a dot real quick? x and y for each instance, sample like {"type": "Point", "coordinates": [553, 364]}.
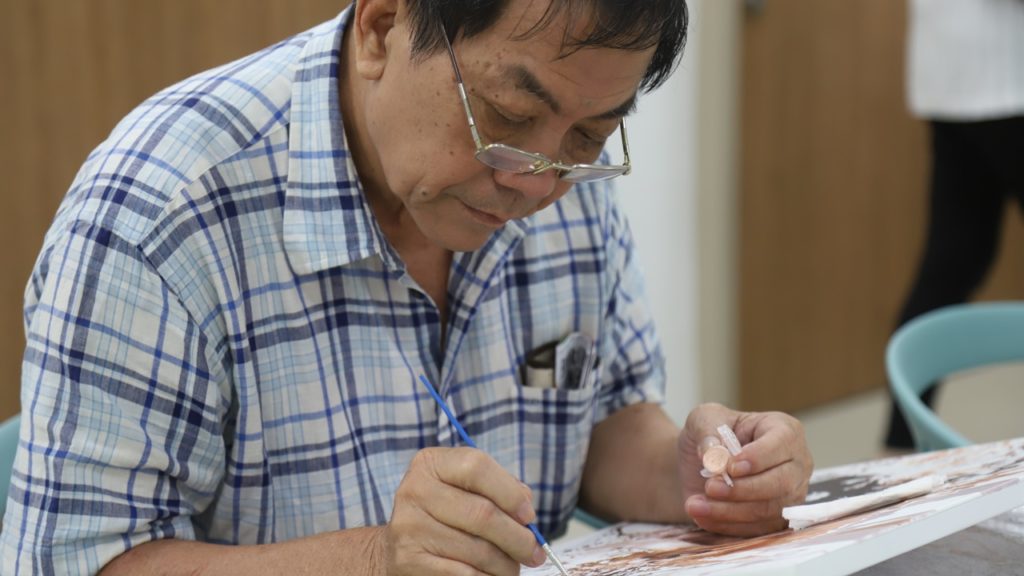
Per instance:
{"type": "Point", "coordinates": [523, 94]}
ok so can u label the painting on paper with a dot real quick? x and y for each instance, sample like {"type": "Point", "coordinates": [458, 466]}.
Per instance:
{"type": "Point", "coordinates": [983, 481]}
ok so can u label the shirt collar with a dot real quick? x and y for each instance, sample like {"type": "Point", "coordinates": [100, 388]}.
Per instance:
{"type": "Point", "coordinates": [327, 221]}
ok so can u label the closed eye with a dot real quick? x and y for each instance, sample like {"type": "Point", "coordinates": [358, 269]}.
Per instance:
{"type": "Point", "coordinates": [585, 145]}
{"type": "Point", "coordinates": [590, 138]}
{"type": "Point", "coordinates": [507, 118]}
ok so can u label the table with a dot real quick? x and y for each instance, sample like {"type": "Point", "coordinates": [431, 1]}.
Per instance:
{"type": "Point", "coordinates": [995, 546]}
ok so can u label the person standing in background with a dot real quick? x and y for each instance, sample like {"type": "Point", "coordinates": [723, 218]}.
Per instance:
{"type": "Point", "coordinates": [965, 76]}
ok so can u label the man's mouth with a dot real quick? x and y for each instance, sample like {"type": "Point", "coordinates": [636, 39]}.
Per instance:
{"type": "Point", "coordinates": [487, 218]}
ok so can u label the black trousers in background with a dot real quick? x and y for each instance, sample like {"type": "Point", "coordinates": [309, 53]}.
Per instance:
{"type": "Point", "coordinates": [977, 169]}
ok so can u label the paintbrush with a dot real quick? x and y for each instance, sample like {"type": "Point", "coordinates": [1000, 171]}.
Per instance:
{"type": "Point", "coordinates": [469, 442]}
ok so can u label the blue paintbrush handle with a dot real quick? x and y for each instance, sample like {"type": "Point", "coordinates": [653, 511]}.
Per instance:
{"type": "Point", "coordinates": [448, 412]}
{"type": "Point", "coordinates": [469, 441]}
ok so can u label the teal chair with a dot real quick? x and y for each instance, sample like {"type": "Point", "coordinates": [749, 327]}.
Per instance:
{"type": "Point", "coordinates": [942, 342]}
{"type": "Point", "coordinates": [8, 447]}
{"type": "Point", "coordinates": [588, 519]}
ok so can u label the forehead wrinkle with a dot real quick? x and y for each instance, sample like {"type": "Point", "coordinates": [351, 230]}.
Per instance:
{"type": "Point", "coordinates": [525, 80]}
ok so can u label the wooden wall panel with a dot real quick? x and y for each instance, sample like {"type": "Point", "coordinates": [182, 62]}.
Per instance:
{"type": "Point", "coordinates": [69, 71]}
{"type": "Point", "coordinates": [832, 202]}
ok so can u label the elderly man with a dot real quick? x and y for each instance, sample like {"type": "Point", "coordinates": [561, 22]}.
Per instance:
{"type": "Point", "coordinates": [234, 303]}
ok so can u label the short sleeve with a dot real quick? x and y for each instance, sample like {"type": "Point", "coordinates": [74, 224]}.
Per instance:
{"type": "Point", "coordinates": [634, 367]}
{"type": "Point", "coordinates": [121, 438]}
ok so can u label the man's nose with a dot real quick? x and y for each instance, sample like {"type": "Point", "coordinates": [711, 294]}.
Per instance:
{"type": "Point", "coordinates": [534, 187]}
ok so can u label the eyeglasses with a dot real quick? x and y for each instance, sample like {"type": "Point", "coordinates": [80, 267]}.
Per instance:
{"type": "Point", "coordinates": [509, 159]}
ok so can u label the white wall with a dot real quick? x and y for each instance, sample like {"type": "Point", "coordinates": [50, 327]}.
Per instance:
{"type": "Point", "coordinates": [718, 30]}
{"type": "Point", "coordinates": [679, 200]}
{"type": "Point", "coordinates": [659, 200]}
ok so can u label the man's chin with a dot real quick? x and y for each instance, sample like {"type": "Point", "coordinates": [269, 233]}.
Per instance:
{"type": "Point", "coordinates": [467, 242]}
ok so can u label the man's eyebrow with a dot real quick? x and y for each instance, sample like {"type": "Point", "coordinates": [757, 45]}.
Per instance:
{"type": "Point", "coordinates": [620, 111]}
{"type": "Point", "coordinates": [523, 79]}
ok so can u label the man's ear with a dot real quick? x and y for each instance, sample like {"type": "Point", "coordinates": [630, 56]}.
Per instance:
{"type": "Point", "coordinates": [372, 23]}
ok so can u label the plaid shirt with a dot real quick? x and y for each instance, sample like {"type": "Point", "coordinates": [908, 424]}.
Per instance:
{"type": "Point", "coordinates": [223, 346]}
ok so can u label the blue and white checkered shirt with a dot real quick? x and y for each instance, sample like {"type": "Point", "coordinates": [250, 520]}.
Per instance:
{"type": "Point", "coordinates": [223, 346]}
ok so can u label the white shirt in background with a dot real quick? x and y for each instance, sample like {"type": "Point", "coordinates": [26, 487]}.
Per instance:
{"type": "Point", "coordinates": [965, 59]}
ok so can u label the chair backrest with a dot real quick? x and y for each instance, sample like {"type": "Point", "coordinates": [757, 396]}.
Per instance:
{"type": "Point", "coordinates": [8, 447]}
{"type": "Point", "coordinates": [940, 343]}
{"type": "Point", "coordinates": [589, 519]}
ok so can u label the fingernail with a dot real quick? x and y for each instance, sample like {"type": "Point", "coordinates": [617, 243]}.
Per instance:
{"type": "Point", "coordinates": [525, 513]}
{"type": "Point", "coordinates": [741, 468]}
{"type": "Point", "coordinates": [539, 557]}
{"type": "Point", "coordinates": [698, 507]}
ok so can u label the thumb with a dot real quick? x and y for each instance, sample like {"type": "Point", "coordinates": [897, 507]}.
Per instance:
{"type": "Point", "coordinates": [704, 421]}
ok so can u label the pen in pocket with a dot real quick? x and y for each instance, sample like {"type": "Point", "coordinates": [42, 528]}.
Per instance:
{"type": "Point", "coordinates": [565, 364]}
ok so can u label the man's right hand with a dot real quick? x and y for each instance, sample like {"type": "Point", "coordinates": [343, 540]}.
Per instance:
{"type": "Point", "coordinates": [457, 511]}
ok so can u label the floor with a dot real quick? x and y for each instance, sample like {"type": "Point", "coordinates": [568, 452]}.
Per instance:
{"type": "Point", "coordinates": [984, 405]}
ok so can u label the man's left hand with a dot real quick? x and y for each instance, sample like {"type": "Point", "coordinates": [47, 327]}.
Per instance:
{"type": "Point", "coordinates": [771, 472]}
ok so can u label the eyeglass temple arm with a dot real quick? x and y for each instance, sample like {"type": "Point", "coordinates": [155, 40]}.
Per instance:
{"type": "Point", "coordinates": [625, 148]}
{"type": "Point", "coordinates": [469, 116]}
{"type": "Point", "coordinates": [462, 90]}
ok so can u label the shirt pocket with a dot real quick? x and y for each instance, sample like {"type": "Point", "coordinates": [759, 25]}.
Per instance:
{"type": "Point", "coordinates": [554, 429]}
